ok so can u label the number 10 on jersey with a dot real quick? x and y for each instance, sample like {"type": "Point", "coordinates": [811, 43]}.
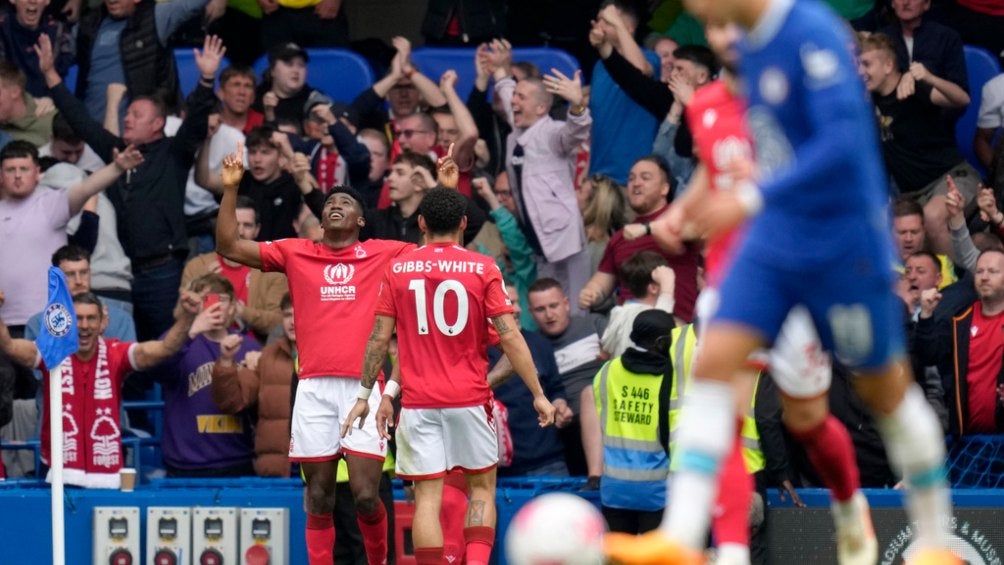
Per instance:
{"type": "Point", "coordinates": [438, 311]}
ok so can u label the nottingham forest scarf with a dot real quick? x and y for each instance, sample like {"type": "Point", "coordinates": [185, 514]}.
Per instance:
{"type": "Point", "coordinates": [92, 439]}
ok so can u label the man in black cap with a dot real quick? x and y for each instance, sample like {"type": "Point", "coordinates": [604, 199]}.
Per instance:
{"type": "Point", "coordinates": [284, 91]}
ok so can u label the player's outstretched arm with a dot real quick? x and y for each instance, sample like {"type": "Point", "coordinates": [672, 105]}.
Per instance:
{"type": "Point", "coordinates": [228, 244]}
{"type": "Point", "coordinates": [516, 350]}
{"type": "Point", "coordinates": [376, 352]}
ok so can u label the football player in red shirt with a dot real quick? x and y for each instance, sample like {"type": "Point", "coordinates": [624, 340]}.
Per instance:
{"type": "Point", "coordinates": [438, 298]}
{"type": "Point", "coordinates": [334, 283]}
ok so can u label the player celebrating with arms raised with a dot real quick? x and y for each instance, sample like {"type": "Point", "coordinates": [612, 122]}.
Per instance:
{"type": "Point", "coordinates": [438, 297]}
{"type": "Point", "coordinates": [817, 236]}
{"type": "Point", "coordinates": [334, 286]}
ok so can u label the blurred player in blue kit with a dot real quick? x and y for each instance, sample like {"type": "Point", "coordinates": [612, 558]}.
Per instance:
{"type": "Point", "coordinates": [817, 235]}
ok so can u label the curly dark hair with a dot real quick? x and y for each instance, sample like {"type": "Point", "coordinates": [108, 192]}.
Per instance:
{"type": "Point", "coordinates": [443, 210]}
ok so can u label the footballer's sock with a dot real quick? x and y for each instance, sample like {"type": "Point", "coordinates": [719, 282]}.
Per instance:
{"type": "Point", "coordinates": [320, 536]}
{"type": "Point", "coordinates": [732, 554]}
{"type": "Point", "coordinates": [480, 540]}
{"type": "Point", "coordinates": [916, 446]}
{"type": "Point", "coordinates": [706, 432]}
{"type": "Point", "coordinates": [831, 452]}
{"type": "Point", "coordinates": [373, 526]}
{"type": "Point", "coordinates": [429, 555]}
{"type": "Point", "coordinates": [730, 524]}
{"type": "Point", "coordinates": [451, 518]}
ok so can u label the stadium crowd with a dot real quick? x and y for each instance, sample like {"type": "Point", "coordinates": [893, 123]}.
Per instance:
{"type": "Point", "coordinates": [118, 183]}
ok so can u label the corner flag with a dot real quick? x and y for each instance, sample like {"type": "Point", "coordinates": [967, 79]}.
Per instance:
{"type": "Point", "coordinates": [57, 338]}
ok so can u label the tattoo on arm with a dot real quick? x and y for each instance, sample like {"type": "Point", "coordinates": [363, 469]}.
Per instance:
{"type": "Point", "coordinates": [376, 352]}
{"type": "Point", "coordinates": [500, 326]}
{"type": "Point", "coordinates": [476, 513]}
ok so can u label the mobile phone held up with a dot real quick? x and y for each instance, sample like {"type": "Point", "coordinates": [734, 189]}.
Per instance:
{"type": "Point", "coordinates": [209, 300]}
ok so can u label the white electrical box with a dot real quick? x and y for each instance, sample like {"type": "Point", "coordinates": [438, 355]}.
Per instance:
{"type": "Point", "coordinates": [168, 535]}
{"type": "Point", "coordinates": [214, 535]}
{"type": "Point", "coordinates": [264, 536]}
{"type": "Point", "coordinates": [116, 535]}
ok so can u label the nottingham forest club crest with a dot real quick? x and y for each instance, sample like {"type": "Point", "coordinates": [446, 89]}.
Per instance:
{"type": "Point", "coordinates": [338, 288]}
{"type": "Point", "coordinates": [57, 320]}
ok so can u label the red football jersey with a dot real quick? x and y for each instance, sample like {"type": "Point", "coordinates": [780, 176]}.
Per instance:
{"type": "Point", "coordinates": [716, 117]}
{"type": "Point", "coordinates": [441, 295]}
{"type": "Point", "coordinates": [333, 292]}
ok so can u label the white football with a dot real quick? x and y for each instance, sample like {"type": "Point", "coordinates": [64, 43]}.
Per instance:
{"type": "Point", "coordinates": [556, 529]}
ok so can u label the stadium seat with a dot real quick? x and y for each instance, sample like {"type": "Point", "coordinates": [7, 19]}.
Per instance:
{"type": "Point", "coordinates": [981, 66]}
{"type": "Point", "coordinates": [434, 61]}
{"type": "Point", "coordinates": [188, 72]}
{"type": "Point", "coordinates": [339, 73]}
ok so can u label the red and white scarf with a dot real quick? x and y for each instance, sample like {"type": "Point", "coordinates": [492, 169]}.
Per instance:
{"type": "Point", "coordinates": [92, 438]}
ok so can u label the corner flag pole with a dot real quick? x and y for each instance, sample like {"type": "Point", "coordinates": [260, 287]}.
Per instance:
{"type": "Point", "coordinates": [56, 463]}
{"type": "Point", "coordinates": [57, 341]}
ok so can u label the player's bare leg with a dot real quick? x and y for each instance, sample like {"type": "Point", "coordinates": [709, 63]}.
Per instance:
{"type": "Point", "coordinates": [364, 480]}
{"type": "Point", "coordinates": [706, 434]}
{"type": "Point", "coordinates": [320, 503]}
{"type": "Point", "coordinates": [916, 446]}
{"type": "Point", "coordinates": [831, 452]}
{"type": "Point", "coordinates": [479, 527]}
{"type": "Point", "coordinates": [426, 532]}
{"type": "Point", "coordinates": [730, 523]}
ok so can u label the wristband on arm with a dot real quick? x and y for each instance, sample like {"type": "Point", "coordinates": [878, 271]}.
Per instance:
{"type": "Point", "coordinates": [392, 389]}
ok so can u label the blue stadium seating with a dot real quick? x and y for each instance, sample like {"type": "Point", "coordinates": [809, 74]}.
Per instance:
{"type": "Point", "coordinates": [981, 66]}
{"type": "Point", "coordinates": [339, 73]}
{"type": "Point", "coordinates": [434, 61]}
{"type": "Point", "coordinates": [343, 74]}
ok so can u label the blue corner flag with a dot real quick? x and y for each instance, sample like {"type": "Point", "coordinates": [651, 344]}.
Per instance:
{"type": "Point", "coordinates": [57, 338]}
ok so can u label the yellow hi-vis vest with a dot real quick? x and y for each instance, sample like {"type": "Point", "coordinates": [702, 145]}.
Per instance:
{"type": "Point", "coordinates": [635, 464]}
{"type": "Point", "coordinates": [681, 354]}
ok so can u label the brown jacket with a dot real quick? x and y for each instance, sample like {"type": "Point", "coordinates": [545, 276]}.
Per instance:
{"type": "Point", "coordinates": [265, 291]}
{"type": "Point", "coordinates": [234, 389]}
